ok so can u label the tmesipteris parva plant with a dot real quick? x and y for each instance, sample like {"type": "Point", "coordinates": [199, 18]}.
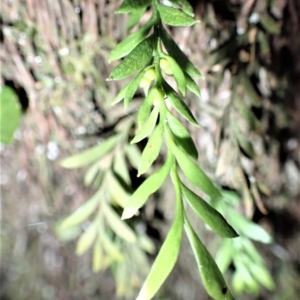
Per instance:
{"type": "Point", "coordinates": [151, 54]}
{"type": "Point", "coordinates": [144, 54]}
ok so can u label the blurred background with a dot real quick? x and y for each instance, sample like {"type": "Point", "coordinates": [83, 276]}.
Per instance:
{"type": "Point", "coordinates": [54, 64]}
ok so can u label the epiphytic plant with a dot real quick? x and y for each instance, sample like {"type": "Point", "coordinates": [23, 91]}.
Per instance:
{"type": "Point", "coordinates": [151, 53]}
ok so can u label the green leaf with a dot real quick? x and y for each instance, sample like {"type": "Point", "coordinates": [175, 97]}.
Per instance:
{"type": "Point", "coordinates": [83, 212]}
{"type": "Point", "coordinates": [120, 166]}
{"type": "Point", "coordinates": [111, 249]}
{"type": "Point", "coordinates": [249, 229]}
{"type": "Point", "coordinates": [121, 95]}
{"type": "Point", "coordinates": [178, 55]}
{"type": "Point", "coordinates": [174, 17]}
{"type": "Point", "coordinates": [97, 256]}
{"type": "Point", "coordinates": [168, 253]}
{"type": "Point", "coordinates": [179, 104]}
{"type": "Point", "coordinates": [133, 154]}
{"type": "Point", "coordinates": [147, 127]}
{"type": "Point", "coordinates": [10, 113]}
{"type": "Point", "coordinates": [132, 5]}
{"type": "Point", "coordinates": [224, 255]}
{"type": "Point", "coordinates": [136, 60]}
{"type": "Point", "coordinates": [211, 276]}
{"type": "Point", "coordinates": [193, 173]}
{"type": "Point", "coordinates": [184, 5]}
{"type": "Point", "coordinates": [144, 110]}
{"type": "Point", "coordinates": [262, 275]}
{"type": "Point", "coordinates": [178, 74]}
{"type": "Point", "coordinates": [182, 136]}
{"type": "Point", "coordinates": [86, 157]}
{"type": "Point", "coordinates": [152, 149]}
{"type": "Point", "coordinates": [116, 190]}
{"type": "Point", "coordinates": [148, 187]}
{"type": "Point", "coordinates": [133, 86]}
{"type": "Point", "coordinates": [127, 45]}
{"type": "Point", "coordinates": [192, 85]}
{"type": "Point", "coordinates": [117, 225]}
{"type": "Point", "coordinates": [91, 174]}
{"type": "Point", "coordinates": [208, 214]}
{"type": "Point", "coordinates": [86, 240]}
{"type": "Point", "coordinates": [238, 283]}
{"type": "Point", "coordinates": [270, 24]}
{"type": "Point", "coordinates": [251, 251]}
{"type": "Point", "coordinates": [135, 16]}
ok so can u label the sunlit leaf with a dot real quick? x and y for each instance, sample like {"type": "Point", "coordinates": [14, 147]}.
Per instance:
{"type": "Point", "coordinates": [148, 187]}
{"type": "Point", "coordinates": [86, 157]}
{"type": "Point", "coordinates": [91, 173]}
{"type": "Point", "coordinates": [262, 275]}
{"type": "Point", "coordinates": [120, 166]}
{"type": "Point", "coordinates": [211, 276]}
{"type": "Point", "coordinates": [144, 110]}
{"type": "Point", "coordinates": [174, 17]}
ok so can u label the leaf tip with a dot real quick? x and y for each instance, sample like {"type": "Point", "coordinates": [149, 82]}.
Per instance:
{"type": "Point", "coordinates": [128, 213]}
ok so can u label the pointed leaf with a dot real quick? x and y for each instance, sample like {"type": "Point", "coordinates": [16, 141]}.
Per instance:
{"type": "Point", "coordinates": [193, 173]}
{"type": "Point", "coordinates": [174, 17]}
{"type": "Point", "coordinates": [135, 16]}
{"type": "Point", "coordinates": [97, 256]}
{"type": "Point", "coordinates": [144, 110]}
{"type": "Point", "coordinates": [182, 136]}
{"type": "Point", "coordinates": [178, 55]}
{"type": "Point", "coordinates": [134, 155]}
{"type": "Point", "coordinates": [167, 255]}
{"type": "Point", "coordinates": [127, 45]}
{"type": "Point", "coordinates": [192, 85]}
{"type": "Point", "coordinates": [86, 157]}
{"type": "Point", "coordinates": [184, 5]}
{"type": "Point", "coordinates": [249, 229]}
{"type": "Point", "coordinates": [148, 187]}
{"type": "Point", "coordinates": [121, 95]}
{"type": "Point", "coordinates": [208, 214]}
{"type": "Point", "coordinates": [262, 275]}
{"type": "Point", "coordinates": [111, 249]}
{"type": "Point", "coordinates": [224, 255]}
{"type": "Point", "coordinates": [131, 5]}
{"type": "Point", "coordinates": [148, 126]}
{"type": "Point", "coordinates": [120, 166]}
{"type": "Point", "coordinates": [117, 225]}
{"type": "Point", "coordinates": [178, 74]}
{"type": "Point", "coordinates": [91, 174]}
{"type": "Point", "coordinates": [136, 60]}
{"type": "Point", "coordinates": [211, 276]}
{"type": "Point", "coordinates": [179, 104]}
{"type": "Point", "coordinates": [83, 212]}
{"type": "Point", "coordinates": [152, 149]}
{"type": "Point", "coordinates": [86, 240]}
{"type": "Point", "coordinates": [130, 91]}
